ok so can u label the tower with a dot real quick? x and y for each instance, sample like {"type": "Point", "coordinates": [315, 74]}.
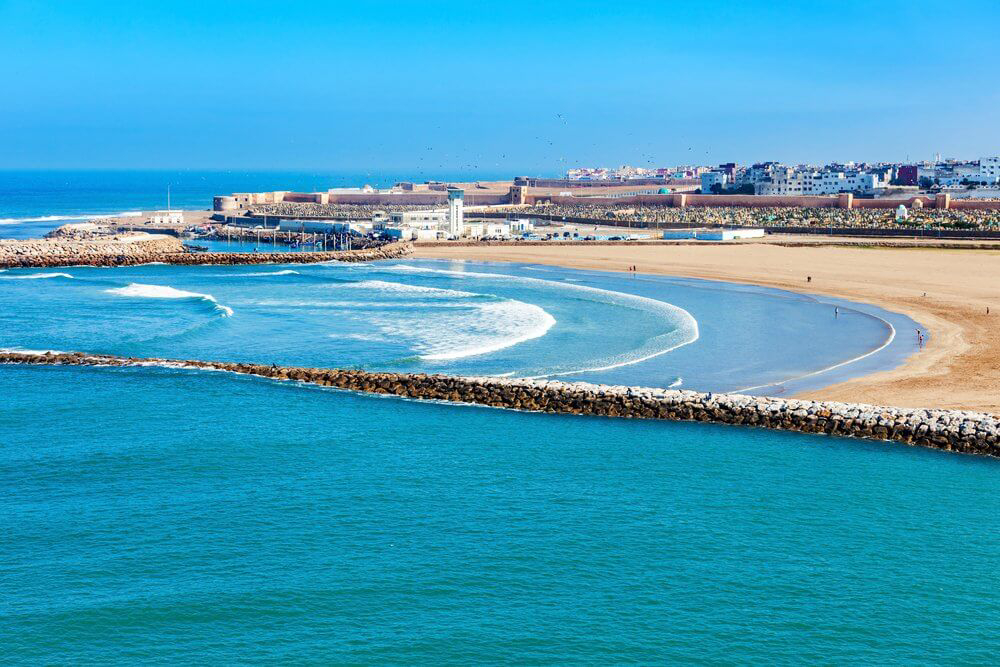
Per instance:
{"type": "Point", "coordinates": [456, 221]}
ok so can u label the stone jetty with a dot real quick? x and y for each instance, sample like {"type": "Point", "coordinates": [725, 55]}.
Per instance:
{"type": "Point", "coordinates": [950, 430]}
{"type": "Point", "coordinates": [139, 248]}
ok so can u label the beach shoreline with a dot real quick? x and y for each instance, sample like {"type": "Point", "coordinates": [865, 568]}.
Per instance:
{"type": "Point", "coordinates": [947, 291]}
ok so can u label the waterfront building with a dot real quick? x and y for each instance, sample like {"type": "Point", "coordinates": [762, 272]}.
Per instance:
{"type": "Point", "coordinates": [167, 218]}
{"type": "Point", "coordinates": [432, 219]}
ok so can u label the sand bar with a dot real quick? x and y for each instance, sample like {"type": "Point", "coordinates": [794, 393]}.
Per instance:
{"type": "Point", "coordinates": [958, 369]}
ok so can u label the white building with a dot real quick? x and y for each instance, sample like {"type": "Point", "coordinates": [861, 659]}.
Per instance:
{"type": "Point", "coordinates": [167, 218]}
{"type": "Point", "coordinates": [712, 178]}
{"type": "Point", "coordinates": [713, 234]}
{"type": "Point", "coordinates": [430, 219]}
{"type": "Point", "coordinates": [478, 230]}
{"type": "Point", "coordinates": [796, 182]}
{"type": "Point", "coordinates": [456, 217]}
{"type": "Point", "coordinates": [989, 170]}
{"type": "Point", "coordinates": [521, 226]}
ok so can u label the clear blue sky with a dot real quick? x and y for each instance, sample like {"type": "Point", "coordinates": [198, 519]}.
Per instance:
{"type": "Point", "coordinates": [530, 87]}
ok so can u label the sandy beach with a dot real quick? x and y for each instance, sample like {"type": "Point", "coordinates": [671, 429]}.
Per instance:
{"type": "Point", "coordinates": [946, 290]}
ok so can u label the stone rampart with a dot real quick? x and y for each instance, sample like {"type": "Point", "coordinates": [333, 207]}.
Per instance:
{"type": "Point", "coordinates": [950, 430]}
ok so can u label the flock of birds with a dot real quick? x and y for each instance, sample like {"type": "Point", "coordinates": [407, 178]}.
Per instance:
{"type": "Point", "coordinates": [433, 164]}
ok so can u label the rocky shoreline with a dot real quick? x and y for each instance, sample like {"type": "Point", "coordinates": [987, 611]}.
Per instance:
{"type": "Point", "coordinates": [949, 430]}
{"type": "Point", "coordinates": [50, 253]}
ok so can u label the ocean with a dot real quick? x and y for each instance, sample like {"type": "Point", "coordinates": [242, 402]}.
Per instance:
{"type": "Point", "coordinates": [166, 516]}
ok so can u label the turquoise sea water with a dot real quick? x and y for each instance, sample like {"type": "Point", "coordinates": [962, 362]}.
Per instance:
{"type": "Point", "coordinates": [462, 318]}
{"type": "Point", "coordinates": [164, 516]}
{"type": "Point", "coordinates": [159, 516]}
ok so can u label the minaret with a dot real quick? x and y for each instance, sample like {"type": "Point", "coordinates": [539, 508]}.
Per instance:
{"type": "Point", "coordinates": [456, 220]}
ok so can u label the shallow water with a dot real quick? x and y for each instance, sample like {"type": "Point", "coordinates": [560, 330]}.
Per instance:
{"type": "Point", "coordinates": [161, 516]}
{"type": "Point", "coordinates": [456, 317]}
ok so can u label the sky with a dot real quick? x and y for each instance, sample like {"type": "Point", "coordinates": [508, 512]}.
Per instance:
{"type": "Point", "coordinates": [531, 88]}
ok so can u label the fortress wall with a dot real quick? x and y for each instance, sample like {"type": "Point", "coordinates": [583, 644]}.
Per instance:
{"type": "Point", "coordinates": [950, 430]}
{"type": "Point", "coordinates": [974, 205]}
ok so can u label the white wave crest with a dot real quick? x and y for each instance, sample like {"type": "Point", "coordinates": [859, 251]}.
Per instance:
{"type": "Point", "coordinates": [70, 216]}
{"type": "Point", "coordinates": [36, 276]}
{"type": "Point", "coordinates": [683, 327]}
{"type": "Point", "coordinates": [24, 350]}
{"type": "Point", "coordinates": [464, 324]}
{"type": "Point", "coordinates": [44, 218]}
{"type": "Point", "coordinates": [283, 272]}
{"type": "Point", "coordinates": [140, 290]}
{"type": "Point", "coordinates": [259, 274]}
{"type": "Point", "coordinates": [386, 287]}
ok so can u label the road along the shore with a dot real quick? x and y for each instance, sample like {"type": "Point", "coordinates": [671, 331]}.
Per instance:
{"type": "Point", "coordinates": [950, 430]}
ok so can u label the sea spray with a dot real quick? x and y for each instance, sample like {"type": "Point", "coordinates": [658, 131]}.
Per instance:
{"type": "Point", "coordinates": [139, 290]}
{"type": "Point", "coordinates": [465, 324]}
{"type": "Point", "coordinates": [683, 327]}
{"type": "Point", "coordinates": [36, 276]}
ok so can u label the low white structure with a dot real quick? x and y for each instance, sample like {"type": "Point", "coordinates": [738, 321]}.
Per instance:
{"type": "Point", "coordinates": [478, 230]}
{"type": "Point", "coordinates": [167, 218]}
{"type": "Point", "coordinates": [521, 226]}
{"type": "Point", "coordinates": [431, 219]}
{"type": "Point", "coordinates": [713, 234]}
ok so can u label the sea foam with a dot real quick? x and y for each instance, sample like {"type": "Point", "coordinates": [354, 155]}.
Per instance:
{"type": "Point", "coordinates": [36, 276]}
{"type": "Point", "coordinates": [261, 274]}
{"type": "Point", "coordinates": [463, 324]}
{"type": "Point", "coordinates": [75, 216]}
{"type": "Point", "coordinates": [140, 290]}
{"type": "Point", "coordinates": [681, 326]}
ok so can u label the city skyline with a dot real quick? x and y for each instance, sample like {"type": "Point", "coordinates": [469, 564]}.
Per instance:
{"type": "Point", "coordinates": [431, 88]}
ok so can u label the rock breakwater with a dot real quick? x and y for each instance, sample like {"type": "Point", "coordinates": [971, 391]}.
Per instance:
{"type": "Point", "coordinates": [950, 430]}
{"type": "Point", "coordinates": [147, 249]}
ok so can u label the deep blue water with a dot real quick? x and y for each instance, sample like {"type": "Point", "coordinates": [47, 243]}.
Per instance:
{"type": "Point", "coordinates": [159, 516]}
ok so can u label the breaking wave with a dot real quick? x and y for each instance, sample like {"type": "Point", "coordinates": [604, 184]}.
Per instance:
{"type": "Point", "coordinates": [76, 216]}
{"type": "Point", "coordinates": [464, 324]}
{"type": "Point", "coordinates": [36, 276]}
{"type": "Point", "coordinates": [681, 327]}
{"type": "Point", "coordinates": [139, 290]}
{"type": "Point", "coordinates": [283, 272]}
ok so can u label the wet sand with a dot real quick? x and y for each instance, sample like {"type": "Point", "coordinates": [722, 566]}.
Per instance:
{"type": "Point", "coordinates": [959, 368]}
